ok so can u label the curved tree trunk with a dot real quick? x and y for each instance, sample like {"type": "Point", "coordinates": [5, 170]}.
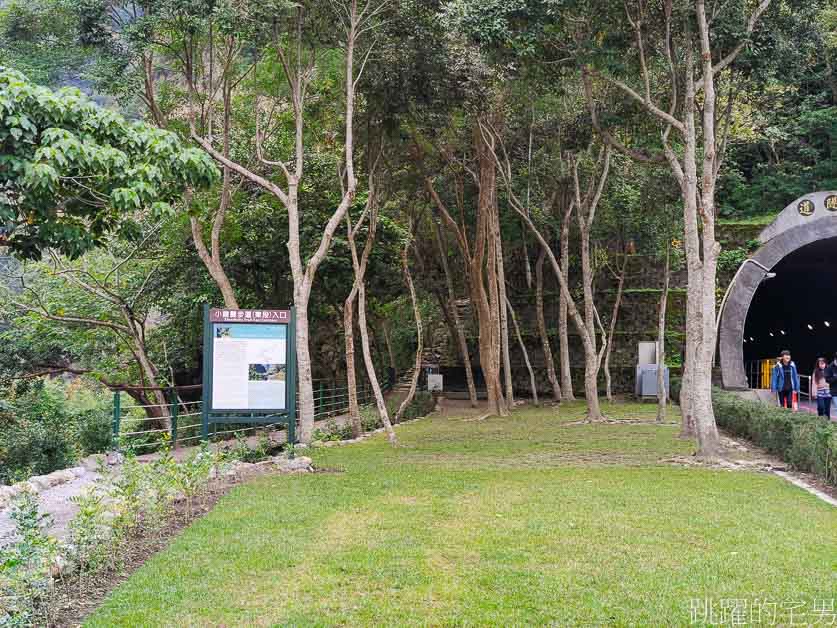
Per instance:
{"type": "Point", "coordinates": [533, 385]}
{"type": "Point", "coordinates": [461, 340]}
{"type": "Point", "coordinates": [612, 331]}
{"type": "Point", "coordinates": [408, 278]}
{"type": "Point", "coordinates": [380, 402]}
{"type": "Point", "coordinates": [542, 330]}
{"type": "Point", "coordinates": [211, 258]}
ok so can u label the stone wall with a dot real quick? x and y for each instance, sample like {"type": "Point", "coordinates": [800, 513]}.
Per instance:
{"type": "Point", "coordinates": [637, 319]}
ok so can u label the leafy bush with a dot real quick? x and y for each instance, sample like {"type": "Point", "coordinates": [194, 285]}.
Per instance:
{"type": "Point", "coordinates": [36, 434]}
{"type": "Point", "coordinates": [26, 586]}
{"type": "Point", "coordinates": [804, 441]}
{"type": "Point", "coordinates": [94, 431]}
{"type": "Point", "coordinates": [46, 426]}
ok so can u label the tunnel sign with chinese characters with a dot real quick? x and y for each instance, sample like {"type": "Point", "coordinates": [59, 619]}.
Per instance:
{"type": "Point", "coordinates": [249, 369]}
{"type": "Point", "coordinates": [806, 207]}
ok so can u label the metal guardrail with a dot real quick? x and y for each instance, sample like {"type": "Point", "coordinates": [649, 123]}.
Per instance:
{"type": "Point", "coordinates": [133, 428]}
{"type": "Point", "coordinates": [759, 373]}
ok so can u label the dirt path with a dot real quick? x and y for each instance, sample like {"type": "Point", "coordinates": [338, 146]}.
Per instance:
{"type": "Point", "coordinates": [57, 501]}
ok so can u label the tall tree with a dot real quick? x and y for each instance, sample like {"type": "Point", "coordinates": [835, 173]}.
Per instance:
{"type": "Point", "coordinates": [686, 107]}
{"type": "Point", "coordinates": [296, 56]}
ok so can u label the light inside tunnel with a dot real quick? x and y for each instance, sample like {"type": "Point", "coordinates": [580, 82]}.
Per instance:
{"type": "Point", "coordinates": [790, 310]}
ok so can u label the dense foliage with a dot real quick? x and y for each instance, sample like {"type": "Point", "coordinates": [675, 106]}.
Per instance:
{"type": "Point", "coordinates": [72, 172]}
{"type": "Point", "coordinates": [805, 441]}
{"type": "Point", "coordinates": [46, 426]}
{"type": "Point", "coordinates": [128, 208]}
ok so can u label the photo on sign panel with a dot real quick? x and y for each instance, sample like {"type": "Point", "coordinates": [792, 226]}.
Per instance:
{"type": "Point", "coordinates": [266, 372]}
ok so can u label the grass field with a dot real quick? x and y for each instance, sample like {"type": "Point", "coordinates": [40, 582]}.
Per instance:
{"type": "Point", "coordinates": [519, 521]}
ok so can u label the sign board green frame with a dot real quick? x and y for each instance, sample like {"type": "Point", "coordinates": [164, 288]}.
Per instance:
{"type": "Point", "coordinates": [238, 335]}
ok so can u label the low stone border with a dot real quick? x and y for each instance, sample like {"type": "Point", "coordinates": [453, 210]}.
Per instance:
{"type": "Point", "coordinates": [366, 435]}
{"type": "Point", "coordinates": [828, 499]}
{"type": "Point", "coordinates": [39, 483]}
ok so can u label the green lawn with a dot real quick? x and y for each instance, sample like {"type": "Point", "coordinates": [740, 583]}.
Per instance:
{"type": "Point", "coordinates": [523, 520]}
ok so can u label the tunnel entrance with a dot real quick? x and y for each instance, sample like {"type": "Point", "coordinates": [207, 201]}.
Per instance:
{"type": "Point", "coordinates": [799, 247]}
{"type": "Point", "coordinates": [797, 309]}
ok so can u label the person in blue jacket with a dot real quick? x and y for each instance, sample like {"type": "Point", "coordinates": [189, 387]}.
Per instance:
{"type": "Point", "coordinates": [785, 380]}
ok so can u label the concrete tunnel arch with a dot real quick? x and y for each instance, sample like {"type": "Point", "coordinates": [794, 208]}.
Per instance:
{"type": "Point", "coordinates": [808, 219]}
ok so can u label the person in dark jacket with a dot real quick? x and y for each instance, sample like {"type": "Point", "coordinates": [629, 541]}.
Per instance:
{"type": "Point", "coordinates": [831, 376]}
{"type": "Point", "coordinates": [785, 380]}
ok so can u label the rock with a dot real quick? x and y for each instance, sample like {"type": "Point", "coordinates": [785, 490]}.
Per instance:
{"type": "Point", "coordinates": [237, 469]}
{"type": "Point", "coordinates": [114, 458]}
{"type": "Point", "coordinates": [28, 486]}
{"type": "Point", "coordinates": [295, 465]}
{"type": "Point", "coordinates": [7, 494]}
{"type": "Point", "coordinates": [41, 482]}
{"type": "Point", "coordinates": [92, 463]}
{"type": "Point", "coordinates": [300, 446]}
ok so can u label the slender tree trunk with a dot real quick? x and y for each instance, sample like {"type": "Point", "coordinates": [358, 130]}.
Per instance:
{"type": "Point", "coordinates": [303, 362]}
{"type": "Point", "coordinates": [213, 266]}
{"type": "Point", "coordinates": [591, 361]}
{"type": "Point", "coordinates": [351, 374]}
{"type": "Point", "coordinates": [563, 327]}
{"type": "Point", "coordinates": [586, 214]}
{"type": "Point", "coordinates": [612, 332]}
{"type": "Point", "coordinates": [408, 278]}
{"type": "Point", "coordinates": [662, 398]}
{"type": "Point", "coordinates": [542, 330]}
{"type": "Point", "coordinates": [370, 366]}
{"type": "Point", "coordinates": [388, 343]}
{"type": "Point", "coordinates": [533, 385]}
{"type": "Point", "coordinates": [489, 303]}
{"type": "Point", "coordinates": [482, 269]}
{"type": "Point", "coordinates": [502, 299]}
{"type": "Point", "coordinates": [709, 442]}
{"type": "Point", "coordinates": [461, 340]}
{"type": "Point", "coordinates": [152, 379]}
{"type": "Point", "coordinates": [211, 257]}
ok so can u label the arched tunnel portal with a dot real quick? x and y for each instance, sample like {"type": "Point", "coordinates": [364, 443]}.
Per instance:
{"type": "Point", "coordinates": [796, 309]}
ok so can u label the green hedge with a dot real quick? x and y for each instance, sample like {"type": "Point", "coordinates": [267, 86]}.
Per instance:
{"type": "Point", "coordinates": [805, 441]}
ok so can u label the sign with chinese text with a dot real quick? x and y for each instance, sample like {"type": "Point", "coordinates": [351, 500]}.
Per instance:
{"type": "Point", "coordinates": [249, 359]}
{"type": "Point", "coordinates": [806, 208]}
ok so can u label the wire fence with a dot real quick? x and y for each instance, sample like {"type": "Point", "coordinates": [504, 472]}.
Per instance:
{"type": "Point", "coordinates": [145, 427]}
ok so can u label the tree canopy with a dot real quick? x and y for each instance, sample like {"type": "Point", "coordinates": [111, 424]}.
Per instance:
{"type": "Point", "coordinates": [72, 172]}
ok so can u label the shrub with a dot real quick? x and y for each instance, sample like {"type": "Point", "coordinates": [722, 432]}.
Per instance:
{"type": "Point", "coordinates": [36, 433]}
{"type": "Point", "coordinates": [26, 586]}
{"type": "Point", "coordinates": [806, 442]}
{"type": "Point", "coordinates": [421, 405]}
{"type": "Point", "coordinates": [94, 431]}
